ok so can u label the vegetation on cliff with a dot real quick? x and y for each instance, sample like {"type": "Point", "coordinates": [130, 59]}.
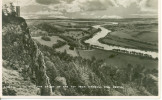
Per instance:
{"type": "Point", "coordinates": [20, 51]}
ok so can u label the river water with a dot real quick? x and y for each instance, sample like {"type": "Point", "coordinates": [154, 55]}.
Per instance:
{"type": "Point", "coordinates": [104, 32]}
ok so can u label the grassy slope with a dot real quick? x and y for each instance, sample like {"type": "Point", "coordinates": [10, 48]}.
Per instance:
{"type": "Point", "coordinates": [15, 80]}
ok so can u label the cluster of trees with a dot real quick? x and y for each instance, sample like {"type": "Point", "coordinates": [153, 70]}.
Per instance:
{"type": "Point", "coordinates": [8, 91]}
{"type": "Point", "coordinates": [87, 72]}
{"type": "Point", "coordinates": [71, 41]}
{"type": "Point", "coordinates": [135, 53]}
{"type": "Point", "coordinates": [59, 44]}
{"type": "Point", "coordinates": [37, 32]}
{"type": "Point", "coordinates": [73, 29]}
{"type": "Point", "coordinates": [49, 52]}
{"type": "Point", "coordinates": [51, 29]}
{"type": "Point", "coordinates": [9, 11]}
{"type": "Point", "coordinates": [46, 38]}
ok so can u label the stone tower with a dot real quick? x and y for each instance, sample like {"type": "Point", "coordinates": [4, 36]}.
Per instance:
{"type": "Point", "coordinates": [18, 11]}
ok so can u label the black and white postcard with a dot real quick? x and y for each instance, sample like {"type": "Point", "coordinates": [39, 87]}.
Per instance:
{"type": "Point", "coordinates": [87, 48]}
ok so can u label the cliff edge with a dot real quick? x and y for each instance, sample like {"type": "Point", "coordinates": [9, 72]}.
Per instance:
{"type": "Point", "coordinates": [21, 53]}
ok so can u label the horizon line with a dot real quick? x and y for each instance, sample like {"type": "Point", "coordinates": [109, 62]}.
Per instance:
{"type": "Point", "coordinates": [84, 18]}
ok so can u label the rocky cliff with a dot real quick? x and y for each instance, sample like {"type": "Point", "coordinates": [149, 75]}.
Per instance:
{"type": "Point", "coordinates": [22, 52]}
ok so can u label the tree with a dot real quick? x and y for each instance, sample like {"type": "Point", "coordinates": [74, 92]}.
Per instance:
{"type": "Point", "coordinates": [130, 71]}
{"type": "Point", "coordinates": [12, 10]}
{"type": "Point", "coordinates": [71, 48]}
{"type": "Point", "coordinates": [5, 11]}
{"type": "Point", "coordinates": [93, 58]}
{"type": "Point", "coordinates": [65, 52]}
{"type": "Point", "coordinates": [52, 71]}
{"type": "Point", "coordinates": [3, 14]}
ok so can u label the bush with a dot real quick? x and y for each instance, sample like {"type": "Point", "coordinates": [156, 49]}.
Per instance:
{"type": "Point", "coordinates": [59, 44]}
{"type": "Point", "coordinates": [71, 41]}
{"type": "Point", "coordinates": [46, 38]}
{"type": "Point", "coordinates": [112, 56]}
{"type": "Point", "coordinates": [71, 48]}
{"type": "Point", "coordinates": [8, 91]}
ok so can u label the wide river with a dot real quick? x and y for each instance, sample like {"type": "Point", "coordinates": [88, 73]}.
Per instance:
{"type": "Point", "coordinates": [104, 32]}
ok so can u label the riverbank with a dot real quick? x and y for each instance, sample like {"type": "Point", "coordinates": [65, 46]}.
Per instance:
{"type": "Point", "coordinates": [119, 59]}
{"type": "Point", "coordinates": [104, 32]}
{"type": "Point", "coordinates": [124, 43]}
{"type": "Point", "coordinates": [138, 35]}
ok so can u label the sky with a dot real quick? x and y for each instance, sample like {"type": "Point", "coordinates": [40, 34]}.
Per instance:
{"type": "Point", "coordinates": [103, 9]}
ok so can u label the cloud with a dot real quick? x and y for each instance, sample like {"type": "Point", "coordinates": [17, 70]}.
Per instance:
{"type": "Point", "coordinates": [91, 5]}
{"type": "Point", "coordinates": [30, 16]}
{"type": "Point", "coordinates": [145, 15]}
{"type": "Point", "coordinates": [149, 5]}
{"type": "Point", "coordinates": [48, 13]}
{"type": "Point", "coordinates": [111, 17]}
{"type": "Point", "coordinates": [19, 2]}
{"type": "Point", "coordinates": [94, 5]}
{"type": "Point", "coordinates": [51, 2]}
{"type": "Point", "coordinates": [92, 13]}
{"type": "Point", "coordinates": [145, 5]}
{"type": "Point", "coordinates": [78, 5]}
{"type": "Point", "coordinates": [48, 2]}
{"type": "Point", "coordinates": [87, 8]}
{"type": "Point", "coordinates": [57, 16]}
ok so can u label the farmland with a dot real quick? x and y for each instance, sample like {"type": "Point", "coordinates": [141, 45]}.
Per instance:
{"type": "Point", "coordinates": [139, 34]}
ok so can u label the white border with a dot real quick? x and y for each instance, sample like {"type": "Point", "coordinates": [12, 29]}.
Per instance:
{"type": "Point", "coordinates": [1, 49]}
{"type": "Point", "coordinates": [89, 97]}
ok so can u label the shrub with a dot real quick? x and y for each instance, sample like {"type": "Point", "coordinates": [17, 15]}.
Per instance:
{"type": "Point", "coordinates": [71, 48]}
{"type": "Point", "coordinates": [8, 91]}
{"type": "Point", "coordinates": [112, 56]}
{"type": "Point", "coordinates": [59, 44]}
{"type": "Point", "coordinates": [46, 38]}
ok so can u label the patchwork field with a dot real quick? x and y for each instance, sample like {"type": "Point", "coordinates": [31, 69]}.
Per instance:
{"type": "Point", "coordinates": [69, 31]}
{"type": "Point", "coordinates": [54, 40]}
{"type": "Point", "coordinates": [139, 35]}
{"type": "Point", "coordinates": [136, 33]}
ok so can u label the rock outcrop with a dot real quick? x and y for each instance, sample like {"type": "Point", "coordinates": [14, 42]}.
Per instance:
{"type": "Point", "coordinates": [16, 38]}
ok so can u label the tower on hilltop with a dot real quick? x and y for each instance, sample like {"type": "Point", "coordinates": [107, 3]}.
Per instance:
{"type": "Point", "coordinates": [18, 11]}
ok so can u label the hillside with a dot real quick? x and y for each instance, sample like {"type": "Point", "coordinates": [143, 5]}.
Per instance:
{"type": "Point", "coordinates": [20, 51]}
{"type": "Point", "coordinates": [42, 67]}
{"type": "Point", "coordinates": [15, 84]}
